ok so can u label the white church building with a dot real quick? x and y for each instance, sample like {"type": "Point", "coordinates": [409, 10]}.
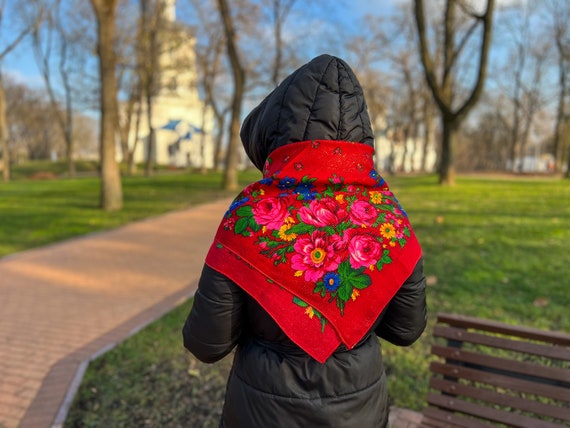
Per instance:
{"type": "Point", "coordinates": [182, 123]}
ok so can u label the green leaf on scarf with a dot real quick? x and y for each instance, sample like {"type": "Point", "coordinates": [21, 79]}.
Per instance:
{"type": "Point", "coordinates": [361, 281]}
{"type": "Point", "coordinates": [307, 179]}
{"type": "Point", "coordinates": [319, 288]}
{"type": "Point", "coordinates": [345, 291]}
{"type": "Point", "coordinates": [241, 226]}
{"type": "Point", "coordinates": [352, 278]}
{"type": "Point", "coordinates": [345, 225]}
{"type": "Point", "coordinates": [340, 305]}
{"type": "Point", "coordinates": [253, 225]}
{"type": "Point", "coordinates": [386, 259]}
{"type": "Point", "coordinates": [299, 302]}
{"type": "Point", "coordinates": [301, 229]}
{"type": "Point", "coordinates": [245, 211]}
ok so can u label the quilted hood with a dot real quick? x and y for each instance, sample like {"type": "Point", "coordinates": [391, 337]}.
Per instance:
{"type": "Point", "coordinates": [322, 100]}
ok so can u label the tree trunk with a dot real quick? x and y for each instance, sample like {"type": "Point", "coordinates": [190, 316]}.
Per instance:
{"type": "Point", "coordinates": [132, 166]}
{"type": "Point", "coordinates": [441, 83]}
{"type": "Point", "coordinates": [69, 140]}
{"type": "Point", "coordinates": [560, 111]}
{"type": "Point", "coordinates": [566, 139]}
{"type": "Point", "coordinates": [203, 167]}
{"type": "Point", "coordinates": [448, 148]}
{"type": "Point", "coordinates": [151, 148]}
{"type": "Point", "coordinates": [68, 124]}
{"type": "Point", "coordinates": [124, 130]}
{"type": "Point", "coordinates": [221, 123]}
{"type": "Point", "coordinates": [4, 134]}
{"type": "Point", "coordinates": [428, 129]}
{"type": "Point", "coordinates": [278, 44]}
{"type": "Point", "coordinates": [111, 189]}
{"type": "Point", "coordinates": [230, 179]}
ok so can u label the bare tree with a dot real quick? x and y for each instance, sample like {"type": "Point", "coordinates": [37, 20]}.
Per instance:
{"type": "Point", "coordinates": [230, 181]}
{"type": "Point", "coordinates": [30, 16]}
{"type": "Point", "coordinates": [486, 137]}
{"type": "Point", "coordinates": [521, 80]}
{"type": "Point", "coordinates": [209, 63]}
{"type": "Point", "coordinates": [442, 78]}
{"type": "Point", "coordinates": [395, 90]}
{"type": "Point", "coordinates": [280, 9]}
{"type": "Point", "coordinates": [32, 133]}
{"type": "Point", "coordinates": [53, 33]}
{"type": "Point", "coordinates": [209, 52]}
{"type": "Point", "coordinates": [557, 28]}
{"type": "Point", "coordinates": [148, 53]}
{"type": "Point", "coordinates": [128, 80]}
{"type": "Point", "coordinates": [111, 187]}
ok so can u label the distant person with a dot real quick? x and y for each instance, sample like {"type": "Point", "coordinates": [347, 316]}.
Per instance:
{"type": "Point", "coordinates": [309, 265]}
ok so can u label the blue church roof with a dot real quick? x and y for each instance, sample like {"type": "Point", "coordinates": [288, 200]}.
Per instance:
{"type": "Point", "coordinates": [173, 124]}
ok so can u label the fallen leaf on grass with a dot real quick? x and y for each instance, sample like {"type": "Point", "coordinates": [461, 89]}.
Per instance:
{"type": "Point", "coordinates": [431, 280]}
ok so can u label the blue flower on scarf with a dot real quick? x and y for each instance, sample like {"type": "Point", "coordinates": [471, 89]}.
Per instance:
{"type": "Point", "coordinates": [287, 183]}
{"type": "Point", "coordinates": [305, 189]}
{"type": "Point", "coordinates": [266, 180]}
{"type": "Point", "coordinates": [379, 180]}
{"type": "Point", "coordinates": [331, 281]}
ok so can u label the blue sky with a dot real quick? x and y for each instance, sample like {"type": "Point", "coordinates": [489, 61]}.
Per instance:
{"type": "Point", "coordinates": [20, 63]}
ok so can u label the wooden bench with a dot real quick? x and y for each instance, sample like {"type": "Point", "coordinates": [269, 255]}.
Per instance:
{"type": "Point", "coordinates": [493, 374]}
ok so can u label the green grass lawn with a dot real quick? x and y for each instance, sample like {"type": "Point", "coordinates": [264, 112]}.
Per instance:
{"type": "Point", "coordinates": [493, 247]}
{"type": "Point", "coordinates": [38, 212]}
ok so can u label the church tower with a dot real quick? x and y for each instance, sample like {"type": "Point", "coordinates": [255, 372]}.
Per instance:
{"type": "Point", "coordinates": [169, 10]}
{"type": "Point", "coordinates": [183, 124]}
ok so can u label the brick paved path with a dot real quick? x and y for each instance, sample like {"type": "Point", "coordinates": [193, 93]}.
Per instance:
{"type": "Point", "coordinates": [62, 304]}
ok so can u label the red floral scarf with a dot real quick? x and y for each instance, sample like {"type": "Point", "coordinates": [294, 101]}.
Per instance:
{"type": "Point", "coordinates": [320, 242]}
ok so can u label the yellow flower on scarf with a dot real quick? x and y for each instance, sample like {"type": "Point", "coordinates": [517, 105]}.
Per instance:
{"type": "Point", "coordinates": [376, 197]}
{"type": "Point", "coordinates": [387, 230]}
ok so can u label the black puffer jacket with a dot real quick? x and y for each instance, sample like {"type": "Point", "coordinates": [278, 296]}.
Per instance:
{"type": "Point", "coordinates": [273, 382]}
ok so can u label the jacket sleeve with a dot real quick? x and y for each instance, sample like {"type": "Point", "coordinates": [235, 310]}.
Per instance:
{"type": "Point", "coordinates": [405, 317]}
{"type": "Point", "coordinates": [214, 324]}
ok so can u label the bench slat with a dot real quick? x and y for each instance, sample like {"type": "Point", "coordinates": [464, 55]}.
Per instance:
{"type": "Point", "coordinates": [434, 417]}
{"type": "Point", "coordinates": [459, 334]}
{"type": "Point", "coordinates": [522, 368]}
{"type": "Point", "coordinates": [536, 407]}
{"type": "Point", "coordinates": [489, 413]}
{"type": "Point", "coordinates": [554, 337]}
{"type": "Point", "coordinates": [459, 372]}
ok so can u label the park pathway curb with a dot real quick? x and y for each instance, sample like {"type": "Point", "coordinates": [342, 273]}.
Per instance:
{"type": "Point", "coordinates": [63, 304]}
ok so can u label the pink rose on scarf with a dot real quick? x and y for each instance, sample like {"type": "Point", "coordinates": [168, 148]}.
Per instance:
{"type": "Point", "coordinates": [270, 212]}
{"type": "Point", "coordinates": [326, 212]}
{"type": "Point", "coordinates": [315, 255]}
{"type": "Point", "coordinates": [363, 213]}
{"type": "Point", "coordinates": [364, 250]}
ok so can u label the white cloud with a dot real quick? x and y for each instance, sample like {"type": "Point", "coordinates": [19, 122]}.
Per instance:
{"type": "Point", "coordinates": [32, 80]}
